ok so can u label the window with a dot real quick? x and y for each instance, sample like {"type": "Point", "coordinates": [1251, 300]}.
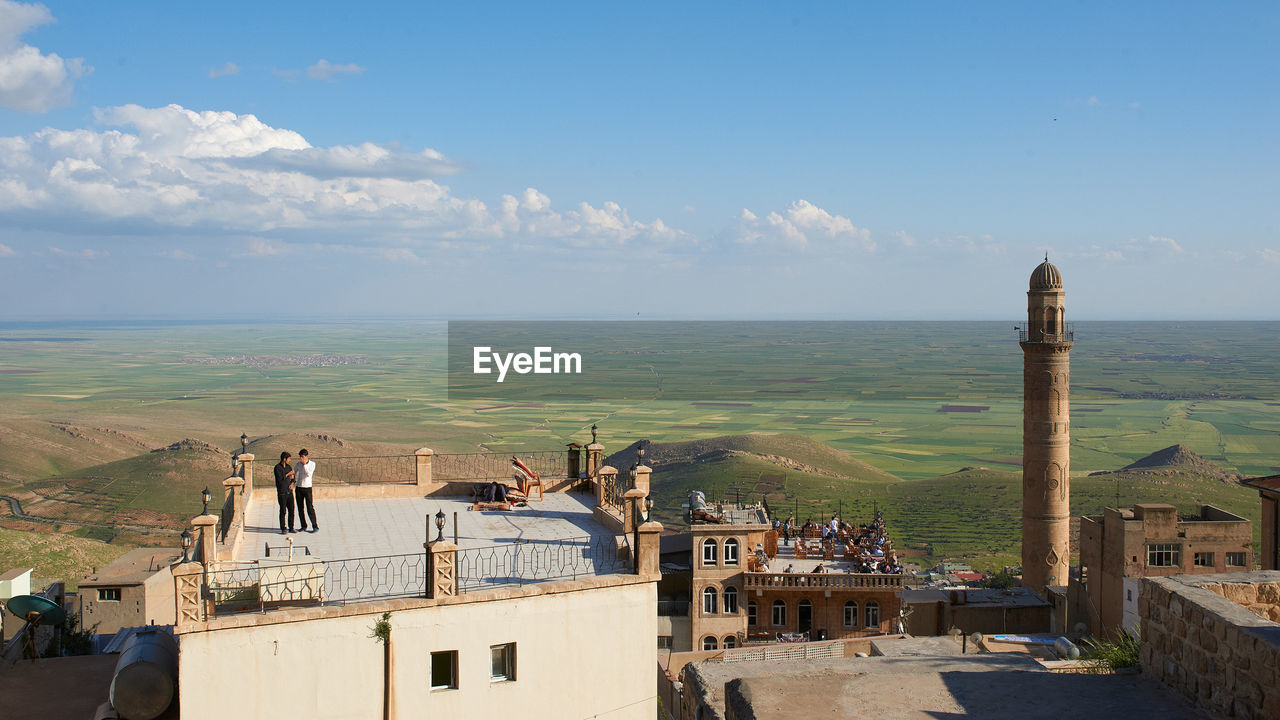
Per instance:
{"type": "Point", "coordinates": [1235, 559]}
{"type": "Point", "coordinates": [851, 614]}
{"type": "Point", "coordinates": [709, 601]}
{"type": "Point", "coordinates": [709, 642]}
{"type": "Point", "coordinates": [664, 642]}
{"type": "Point", "coordinates": [779, 613]}
{"type": "Point", "coordinates": [873, 614]}
{"type": "Point", "coordinates": [1164, 555]}
{"type": "Point", "coordinates": [731, 551]}
{"type": "Point", "coordinates": [1204, 559]}
{"type": "Point", "coordinates": [109, 594]}
{"type": "Point", "coordinates": [730, 642]}
{"type": "Point", "coordinates": [731, 600]}
{"type": "Point", "coordinates": [444, 670]}
{"type": "Point", "coordinates": [752, 610]}
{"type": "Point", "coordinates": [708, 552]}
{"type": "Point", "coordinates": [502, 662]}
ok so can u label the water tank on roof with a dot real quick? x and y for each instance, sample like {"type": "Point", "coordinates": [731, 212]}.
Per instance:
{"type": "Point", "coordinates": [146, 677]}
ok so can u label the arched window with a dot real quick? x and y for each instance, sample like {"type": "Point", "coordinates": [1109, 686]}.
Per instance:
{"type": "Point", "coordinates": [730, 641]}
{"type": "Point", "coordinates": [709, 642]}
{"type": "Point", "coordinates": [709, 552]}
{"type": "Point", "coordinates": [779, 613]}
{"type": "Point", "coordinates": [1051, 320]}
{"type": "Point", "coordinates": [752, 610]}
{"type": "Point", "coordinates": [731, 551]}
{"type": "Point", "coordinates": [851, 614]}
{"type": "Point", "coordinates": [873, 614]}
{"type": "Point", "coordinates": [709, 601]}
{"type": "Point", "coordinates": [731, 600]}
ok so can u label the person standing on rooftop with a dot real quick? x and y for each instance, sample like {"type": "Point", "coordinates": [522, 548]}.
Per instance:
{"type": "Point", "coordinates": [284, 491]}
{"type": "Point", "coordinates": [304, 473]}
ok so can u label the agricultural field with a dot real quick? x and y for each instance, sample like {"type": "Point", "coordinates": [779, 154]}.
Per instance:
{"type": "Point", "coordinates": [82, 407]}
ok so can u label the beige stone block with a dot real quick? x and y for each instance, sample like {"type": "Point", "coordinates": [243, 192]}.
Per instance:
{"type": "Point", "coordinates": [1268, 593]}
{"type": "Point", "coordinates": [1240, 593]}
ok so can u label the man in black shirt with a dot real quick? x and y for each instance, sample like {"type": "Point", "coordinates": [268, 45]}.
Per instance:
{"type": "Point", "coordinates": [284, 491]}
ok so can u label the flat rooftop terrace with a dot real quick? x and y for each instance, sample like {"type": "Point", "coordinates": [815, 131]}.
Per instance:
{"type": "Point", "coordinates": [373, 547]}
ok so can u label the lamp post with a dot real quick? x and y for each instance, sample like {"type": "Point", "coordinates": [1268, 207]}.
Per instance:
{"type": "Point", "coordinates": [206, 496]}
{"type": "Point", "coordinates": [186, 546]}
{"type": "Point", "coordinates": [439, 525]}
{"type": "Point", "coordinates": [594, 431]}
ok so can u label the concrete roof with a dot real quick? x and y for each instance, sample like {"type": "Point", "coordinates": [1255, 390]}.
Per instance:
{"type": "Point", "coordinates": [1269, 483]}
{"type": "Point", "coordinates": [68, 687]}
{"type": "Point", "coordinates": [133, 567]}
{"type": "Point", "coordinates": [980, 597]}
{"type": "Point", "coordinates": [14, 573]}
{"type": "Point", "coordinates": [900, 688]}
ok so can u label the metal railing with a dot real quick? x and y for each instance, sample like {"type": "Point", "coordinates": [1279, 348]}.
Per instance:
{"type": "Point", "coordinates": [526, 561]}
{"type": "Point", "coordinates": [809, 581]}
{"type": "Point", "coordinates": [462, 467]}
{"type": "Point", "coordinates": [1064, 335]}
{"type": "Point", "coordinates": [614, 495]}
{"type": "Point", "coordinates": [673, 608]}
{"type": "Point", "coordinates": [259, 586]}
{"type": "Point", "coordinates": [353, 470]}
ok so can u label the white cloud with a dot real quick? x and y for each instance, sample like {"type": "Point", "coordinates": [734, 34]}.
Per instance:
{"type": "Point", "coordinates": [6, 251]}
{"type": "Point", "coordinates": [177, 255]}
{"type": "Point", "coordinates": [1094, 101]}
{"type": "Point", "coordinates": [801, 225]}
{"type": "Point", "coordinates": [325, 70]}
{"type": "Point", "coordinates": [83, 254]}
{"type": "Point", "coordinates": [220, 174]}
{"type": "Point", "coordinates": [228, 69]}
{"type": "Point", "coordinates": [261, 247]}
{"type": "Point", "coordinates": [905, 238]}
{"type": "Point", "coordinates": [29, 80]}
{"type": "Point", "coordinates": [1269, 256]}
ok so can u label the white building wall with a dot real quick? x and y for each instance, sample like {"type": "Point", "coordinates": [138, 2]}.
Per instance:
{"type": "Point", "coordinates": [579, 654]}
{"type": "Point", "coordinates": [1130, 619]}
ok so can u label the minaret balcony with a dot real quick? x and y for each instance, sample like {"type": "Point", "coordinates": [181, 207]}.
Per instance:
{"type": "Point", "coordinates": [1048, 338]}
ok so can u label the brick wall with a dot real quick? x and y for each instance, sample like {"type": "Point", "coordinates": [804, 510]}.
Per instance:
{"type": "Point", "coordinates": [1208, 637]}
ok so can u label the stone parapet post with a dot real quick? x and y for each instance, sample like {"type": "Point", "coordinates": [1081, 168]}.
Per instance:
{"type": "Point", "coordinates": [233, 487]}
{"type": "Point", "coordinates": [649, 549]}
{"type": "Point", "coordinates": [246, 469]}
{"type": "Point", "coordinates": [207, 534]}
{"type": "Point", "coordinates": [442, 577]}
{"type": "Point", "coordinates": [188, 578]}
{"type": "Point", "coordinates": [595, 459]}
{"type": "Point", "coordinates": [642, 478]}
{"type": "Point", "coordinates": [634, 499]}
{"type": "Point", "coordinates": [424, 477]}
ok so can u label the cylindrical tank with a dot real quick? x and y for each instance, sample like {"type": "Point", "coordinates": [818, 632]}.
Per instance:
{"type": "Point", "coordinates": [146, 675]}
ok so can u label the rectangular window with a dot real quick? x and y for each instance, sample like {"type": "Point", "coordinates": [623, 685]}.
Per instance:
{"type": "Point", "coordinates": [730, 552]}
{"type": "Point", "coordinates": [664, 642]}
{"type": "Point", "coordinates": [109, 594]}
{"type": "Point", "coordinates": [1204, 559]}
{"type": "Point", "coordinates": [1164, 555]}
{"type": "Point", "coordinates": [502, 662]}
{"type": "Point", "coordinates": [779, 613]}
{"type": "Point", "coordinates": [444, 670]}
{"type": "Point", "coordinates": [751, 613]}
{"type": "Point", "coordinates": [1235, 559]}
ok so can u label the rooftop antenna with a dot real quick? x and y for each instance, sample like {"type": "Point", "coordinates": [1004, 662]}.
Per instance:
{"type": "Point", "coordinates": [36, 609]}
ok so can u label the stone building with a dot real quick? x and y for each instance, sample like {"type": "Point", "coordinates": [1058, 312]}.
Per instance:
{"type": "Point", "coordinates": [134, 590]}
{"type": "Point", "coordinates": [1120, 547]}
{"type": "Point", "coordinates": [1046, 432]}
{"type": "Point", "coordinates": [1269, 495]}
{"type": "Point", "coordinates": [741, 591]}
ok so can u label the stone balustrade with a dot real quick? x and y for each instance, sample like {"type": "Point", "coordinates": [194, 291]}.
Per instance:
{"type": "Point", "coordinates": [810, 581]}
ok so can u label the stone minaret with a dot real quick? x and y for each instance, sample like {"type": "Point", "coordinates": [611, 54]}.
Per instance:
{"type": "Point", "coordinates": [1046, 433]}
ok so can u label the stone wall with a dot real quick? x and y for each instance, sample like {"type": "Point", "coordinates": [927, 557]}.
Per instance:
{"type": "Point", "coordinates": [1208, 637]}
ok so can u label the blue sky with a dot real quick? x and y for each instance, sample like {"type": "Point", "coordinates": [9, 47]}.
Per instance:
{"type": "Point", "coordinates": [721, 160]}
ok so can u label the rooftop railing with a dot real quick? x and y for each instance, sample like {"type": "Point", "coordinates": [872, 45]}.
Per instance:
{"type": "Point", "coordinates": [462, 467]}
{"type": "Point", "coordinates": [350, 470]}
{"type": "Point", "coordinates": [809, 581]}
{"type": "Point", "coordinates": [530, 561]}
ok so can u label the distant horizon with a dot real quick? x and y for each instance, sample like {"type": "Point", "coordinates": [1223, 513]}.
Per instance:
{"type": "Point", "coordinates": [13, 323]}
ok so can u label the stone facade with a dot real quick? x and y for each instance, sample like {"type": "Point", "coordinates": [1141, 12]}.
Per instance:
{"type": "Point", "coordinates": [1046, 433]}
{"type": "Point", "coordinates": [1206, 636]}
{"type": "Point", "coordinates": [1117, 549]}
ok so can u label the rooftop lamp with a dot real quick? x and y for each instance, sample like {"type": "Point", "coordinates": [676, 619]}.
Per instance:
{"type": "Point", "coordinates": [440, 525]}
{"type": "Point", "coordinates": [186, 545]}
{"type": "Point", "coordinates": [244, 441]}
{"type": "Point", "coordinates": [206, 496]}
{"type": "Point", "coordinates": [594, 430]}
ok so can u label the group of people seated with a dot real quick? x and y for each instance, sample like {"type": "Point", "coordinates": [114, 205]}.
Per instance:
{"type": "Point", "coordinates": [867, 547]}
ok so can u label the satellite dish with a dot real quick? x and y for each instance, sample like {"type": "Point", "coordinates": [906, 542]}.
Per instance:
{"type": "Point", "coordinates": [36, 610]}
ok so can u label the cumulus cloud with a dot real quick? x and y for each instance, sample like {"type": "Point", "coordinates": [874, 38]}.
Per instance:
{"type": "Point", "coordinates": [6, 251]}
{"type": "Point", "coordinates": [325, 70]}
{"type": "Point", "coordinates": [230, 175]}
{"type": "Point", "coordinates": [802, 224]}
{"type": "Point", "coordinates": [31, 81]}
{"type": "Point", "coordinates": [228, 69]}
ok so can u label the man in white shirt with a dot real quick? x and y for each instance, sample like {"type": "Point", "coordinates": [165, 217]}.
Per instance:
{"type": "Point", "coordinates": [303, 472]}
